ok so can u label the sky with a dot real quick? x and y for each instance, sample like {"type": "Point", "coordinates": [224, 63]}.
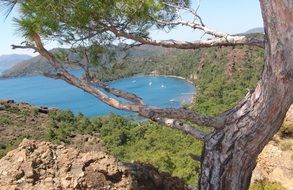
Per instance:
{"type": "Point", "coordinates": [230, 16]}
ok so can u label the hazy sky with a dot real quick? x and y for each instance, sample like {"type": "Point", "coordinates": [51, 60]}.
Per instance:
{"type": "Point", "coordinates": [231, 16]}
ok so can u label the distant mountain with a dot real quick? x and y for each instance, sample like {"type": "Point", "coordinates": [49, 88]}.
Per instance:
{"type": "Point", "coordinates": [33, 66]}
{"type": "Point", "coordinates": [255, 30]}
{"type": "Point", "coordinates": [38, 64]}
{"type": "Point", "coordinates": [28, 67]}
{"type": "Point", "coordinates": [143, 59]}
{"type": "Point", "coordinates": [8, 61]}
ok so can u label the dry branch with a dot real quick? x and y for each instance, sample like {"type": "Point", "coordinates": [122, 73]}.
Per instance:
{"type": "Point", "coordinates": [182, 127]}
{"type": "Point", "coordinates": [222, 41]}
{"type": "Point", "coordinates": [184, 114]}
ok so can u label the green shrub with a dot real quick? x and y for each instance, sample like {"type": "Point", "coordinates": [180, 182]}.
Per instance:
{"type": "Point", "coordinates": [286, 131]}
{"type": "Point", "coordinates": [165, 148]}
{"type": "Point", "coordinates": [8, 146]}
{"type": "Point", "coordinates": [286, 145]}
{"type": "Point", "coordinates": [266, 185]}
{"type": "Point", "coordinates": [63, 124]}
{"type": "Point", "coordinates": [5, 120]}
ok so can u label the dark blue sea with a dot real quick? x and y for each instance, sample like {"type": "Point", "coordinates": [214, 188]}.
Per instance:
{"type": "Point", "coordinates": [38, 90]}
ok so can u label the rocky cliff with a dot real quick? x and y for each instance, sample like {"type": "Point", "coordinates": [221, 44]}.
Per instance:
{"type": "Point", "coordinates": [275, 163]}
{"type": "Point", "coordinates": [42, 165]}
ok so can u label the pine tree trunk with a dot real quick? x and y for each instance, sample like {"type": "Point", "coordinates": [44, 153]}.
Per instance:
{"type": "Point", "coordinates": [229, 155]}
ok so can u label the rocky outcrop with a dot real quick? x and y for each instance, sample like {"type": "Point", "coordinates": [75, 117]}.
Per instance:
{"type": "Point", "coordinates": [275, 164]}
{"type": "Point", "coordinates": [42, 165]}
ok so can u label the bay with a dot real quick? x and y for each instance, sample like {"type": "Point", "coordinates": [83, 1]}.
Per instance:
{"type": "Point", "coordinates": [157, 91]}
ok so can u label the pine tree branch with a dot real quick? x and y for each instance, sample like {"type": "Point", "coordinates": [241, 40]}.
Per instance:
{"type": "Point", "coordinates": [138, 107]}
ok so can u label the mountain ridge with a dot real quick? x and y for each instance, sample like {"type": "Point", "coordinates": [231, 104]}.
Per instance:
{"type": "Point", "coordinates": [37, 65]}
{"type": "Point", "coordinates": [8, 61]}
{"type": "Point", "coordinates": [255, 30]}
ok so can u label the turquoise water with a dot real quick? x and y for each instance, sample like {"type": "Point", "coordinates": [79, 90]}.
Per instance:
{"type": "Point", "coordinates": [38, 90]}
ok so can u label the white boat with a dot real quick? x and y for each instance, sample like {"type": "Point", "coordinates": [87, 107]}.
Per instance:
{"type": "Point", "coordinates": [150, 83]}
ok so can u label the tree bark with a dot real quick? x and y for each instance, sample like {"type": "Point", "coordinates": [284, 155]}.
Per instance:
{"type": "Point", "coordinates": [229, 155]}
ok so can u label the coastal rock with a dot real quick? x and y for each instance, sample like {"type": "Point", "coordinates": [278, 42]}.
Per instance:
{"type": "Point", "coordinates": [275, 163]}
{"type": "Point", "coordinates": [42, 165]}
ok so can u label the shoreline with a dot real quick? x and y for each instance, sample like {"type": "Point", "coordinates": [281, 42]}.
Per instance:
{"type": "Point", "coordinates": [157, 75]}
{"type": "Point", "coordinates": [174, 76]}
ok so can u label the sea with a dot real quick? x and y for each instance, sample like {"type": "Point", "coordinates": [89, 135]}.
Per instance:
{"type": "Point", "coordinates": [159, 91]}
